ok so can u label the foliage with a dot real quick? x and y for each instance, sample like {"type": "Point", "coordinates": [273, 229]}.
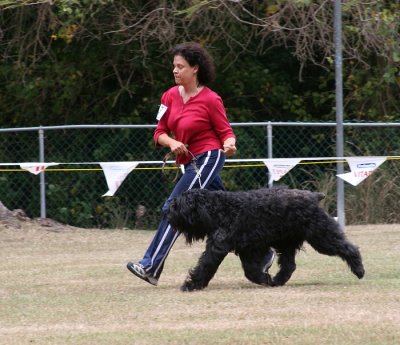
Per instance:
{"type": "Point", "coordinates": [106, 61]}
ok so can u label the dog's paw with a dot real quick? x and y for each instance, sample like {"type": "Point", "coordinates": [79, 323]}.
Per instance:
{"type": "Point", "coordinates": [359, 272]}
{"type": "Point", "coordinates": [189, 286]}
{"type": "Point", "coordinates": [278, 282]}
{"type": "Point", "coordinates": [185, 288]}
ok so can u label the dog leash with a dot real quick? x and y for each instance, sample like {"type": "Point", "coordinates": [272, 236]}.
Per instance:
{"type": "Point", "coordinates": [192, 162]}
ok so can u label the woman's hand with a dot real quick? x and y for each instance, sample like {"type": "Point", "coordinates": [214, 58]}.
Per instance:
{"type": "Point", "coordinates": [229, 147]}
{"type": "Point", "coordinates": [175, 146]}
{"type": "Point", "coordinates": [178, 148]}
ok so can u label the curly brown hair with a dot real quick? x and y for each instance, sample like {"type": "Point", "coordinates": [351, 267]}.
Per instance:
{"type": "Point", "coordinates": [195, 54]}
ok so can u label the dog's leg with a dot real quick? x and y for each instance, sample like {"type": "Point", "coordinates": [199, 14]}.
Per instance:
{"type": "Point", "coordinates": [252, 263]}
{"type": "Point", "coordinates": [332, 241]}
{"type": "Point", "coordinates": [287, 265]}
{"type": "Point", "coordinates": [205, 269]}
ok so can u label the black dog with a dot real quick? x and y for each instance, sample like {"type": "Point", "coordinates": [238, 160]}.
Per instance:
{"type": "Point", "coordinates": [248, 223]}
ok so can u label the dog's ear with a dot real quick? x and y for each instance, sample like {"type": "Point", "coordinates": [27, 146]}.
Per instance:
{"type": "Point", "coordinates": [203, 215]}
{"type": "Point", "coordinates": [197, 201]}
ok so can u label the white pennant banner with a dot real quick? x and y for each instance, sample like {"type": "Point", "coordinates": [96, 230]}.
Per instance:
{"type": "Point", "coordinates": [280, 166]}
{"type": "Point", "coordinates": [36, 168]}
{"type": "Point", "coordinates": [116, 173]}
{"type": "Point", "coordinates": [361, 168]}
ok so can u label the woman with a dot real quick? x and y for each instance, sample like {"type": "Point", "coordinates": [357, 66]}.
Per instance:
{"type": "Point", "coordinates": [193, 124]}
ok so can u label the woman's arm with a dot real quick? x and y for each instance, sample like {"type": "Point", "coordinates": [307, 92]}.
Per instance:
{"type": "Point", "coordinates": [176, 146]}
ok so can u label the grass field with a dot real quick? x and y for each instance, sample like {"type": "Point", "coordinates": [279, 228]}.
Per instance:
{"type": "Point", "coordinates": [70, 286]}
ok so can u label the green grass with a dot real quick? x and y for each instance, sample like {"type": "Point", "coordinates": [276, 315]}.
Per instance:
{"type": "Point", "coordinates": [71, 287]}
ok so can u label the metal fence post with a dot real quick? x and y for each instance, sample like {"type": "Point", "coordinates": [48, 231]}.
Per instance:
{"type": "Point", "coordinates": [269, 143]}
{"type": "Point", "coordinates": [339, 111]}
{"type": "Point", "coordinates": [42, 175]}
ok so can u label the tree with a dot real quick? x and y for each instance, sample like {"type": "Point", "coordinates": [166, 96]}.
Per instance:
{"type": "Point", "coordinates": [100, 57]}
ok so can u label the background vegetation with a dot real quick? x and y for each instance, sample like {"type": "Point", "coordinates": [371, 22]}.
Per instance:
{"type": "Point", "coordinates": [106, 62]}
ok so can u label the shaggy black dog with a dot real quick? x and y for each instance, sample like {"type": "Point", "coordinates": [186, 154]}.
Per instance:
{"type": "Point", "coordinates": [248, 223]}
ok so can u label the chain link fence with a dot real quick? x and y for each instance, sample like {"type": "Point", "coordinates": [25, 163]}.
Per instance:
{"type": "Point", "coordinates": [73, 190]}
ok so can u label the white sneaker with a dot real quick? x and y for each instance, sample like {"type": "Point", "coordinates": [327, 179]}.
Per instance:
{"type": "Point", "coordinates": [138, 271]}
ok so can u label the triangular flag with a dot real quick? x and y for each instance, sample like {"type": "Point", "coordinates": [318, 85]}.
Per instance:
{"type": "Point", "coordinates": [278, 167]}
{"type": "Point", "coordinates": [115, 173]}
{"type": "Point", "coordinates": [361, 168]}
{"type": "Point", "coordinates": [36, 168]}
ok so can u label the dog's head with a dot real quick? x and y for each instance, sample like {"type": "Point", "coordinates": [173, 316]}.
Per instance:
{"type": "Point", "coordinates": [188, 214]}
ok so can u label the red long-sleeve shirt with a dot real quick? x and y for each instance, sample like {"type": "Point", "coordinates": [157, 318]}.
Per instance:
{"type": "Point", "coordinates": [201, 122]}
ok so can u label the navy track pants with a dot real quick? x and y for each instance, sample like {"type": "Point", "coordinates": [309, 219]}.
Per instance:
{"type": "Point", "coordinates": [209, 165]}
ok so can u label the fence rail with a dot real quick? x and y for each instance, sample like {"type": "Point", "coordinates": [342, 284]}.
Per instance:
{"type": "Point", "coordinates": [72, 194]}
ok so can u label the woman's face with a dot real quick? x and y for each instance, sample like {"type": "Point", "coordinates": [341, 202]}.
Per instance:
{"type": "Point", "coordinates": [184, 73]}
